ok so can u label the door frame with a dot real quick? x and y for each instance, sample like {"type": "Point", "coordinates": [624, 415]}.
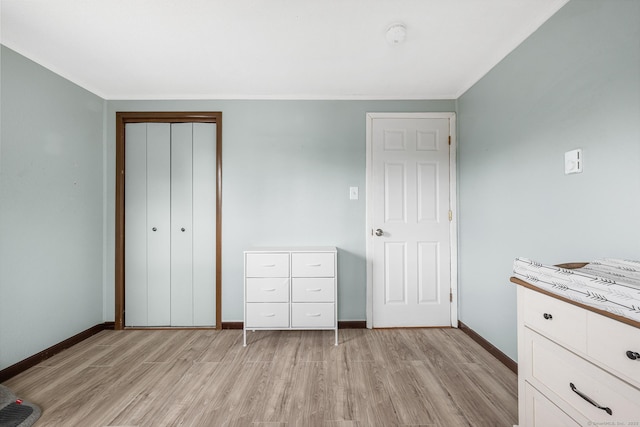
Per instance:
{"type": "Point", "coordinates": [123, 118]}
{"type": "Point", "coordinates": [453, 196]}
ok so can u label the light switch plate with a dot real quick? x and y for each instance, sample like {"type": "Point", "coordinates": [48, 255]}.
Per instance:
{"type": "Point", "coordinates": [353, 193]}
{"type": "Point", "coordinates": [573, 161]}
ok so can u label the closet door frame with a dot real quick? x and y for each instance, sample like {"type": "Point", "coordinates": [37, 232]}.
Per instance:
{"type": "Point", "coordinates": [123, 118]}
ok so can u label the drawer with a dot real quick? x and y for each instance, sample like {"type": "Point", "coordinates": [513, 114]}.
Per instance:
{"type": "Point", "coordinates": [269, 289]}
{"type": "Point", "coordinates": [558, 320]}
{"type": "Point", "coordinates": [608, 342]}
{"type": "Point", "coordinates": [315, 289]}
{"type": "Point", "coordinates": [313, 315]}
{"type": "Point", "coordinates": [541, 412]}
{"type": "Point", "coordinates": [566, 376]}
{"type": "Point", "coordinates": [267, 265]}
{"type": "Point", "coordinates": [267, 315]}
{"type": "Point", "coordinates": [312, 264]}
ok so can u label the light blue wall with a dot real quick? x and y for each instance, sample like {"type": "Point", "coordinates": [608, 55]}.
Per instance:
{"type": "Point", "coordinates": [575, 83]}
{"type": "Point", "coordinates": [51, 197]}
{"type": "Point", "coordinates": [286, 171]}
{"type": "Point", "coordinates": [287, 167]}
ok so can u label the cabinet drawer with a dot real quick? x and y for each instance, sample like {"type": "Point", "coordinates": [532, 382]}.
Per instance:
{"type": "Point", "coordinates": [267, 315]}
{"type": "Point", "coordinates": [608, 342]}
{"type": "Point", "coordinates": [558, 320]}
{"type": "Point", "coordinates": [270, 289]}
{"type": "Point", "coordinates": [312, 315]}
{"type": "Point", "coordinates": [561, 371]}
{"type": "Point", "coordinates": [312, 264]}
{"type": "Point", "coordinates": [316, 289]}
{"type": "Point", "coordinates": [541, 412]}
{"type": "Point", "coordinates": [267, 265]}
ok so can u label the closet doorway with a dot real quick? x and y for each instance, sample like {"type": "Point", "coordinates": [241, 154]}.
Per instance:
{"type": "Point", "coordinates": [168, 223]}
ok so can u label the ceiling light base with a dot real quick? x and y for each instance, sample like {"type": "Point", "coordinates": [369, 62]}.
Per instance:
{"type": "Point", "coordinates": [396, 34]}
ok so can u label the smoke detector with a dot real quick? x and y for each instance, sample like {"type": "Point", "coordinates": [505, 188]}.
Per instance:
{"type": "Point", "coordinates": [396, 34]}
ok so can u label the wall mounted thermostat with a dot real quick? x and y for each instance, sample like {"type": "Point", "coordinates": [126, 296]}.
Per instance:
{"type": "Point", "coordinates": [573, 161]}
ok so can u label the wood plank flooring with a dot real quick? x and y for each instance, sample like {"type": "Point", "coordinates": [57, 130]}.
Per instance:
{"type": "Point", "coordinates": [382, 377]}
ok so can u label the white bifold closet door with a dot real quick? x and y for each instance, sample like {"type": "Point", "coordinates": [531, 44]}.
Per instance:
{"type": "Point", "coordinates": [170, 217]}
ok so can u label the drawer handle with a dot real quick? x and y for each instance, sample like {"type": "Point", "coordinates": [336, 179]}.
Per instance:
{"type": "Point", "coordinates": [633, 355]}
{"type": "Point", "coordinates": [314, 314]}
{"type": "Point", "coordinates": [547, 316]}
{"type": "Point", "coordinates": [314, 290]}
{"type": "Point", "coordinates": [269, 315]}
{"type": "Point", "coordinates": [314, 265]}
{"type": "Point", "coordinates": [269, 290]}
{"type": "Point", "coordinates": [268, 265]}
{"type": "Point", "coordinates": [585, 397]}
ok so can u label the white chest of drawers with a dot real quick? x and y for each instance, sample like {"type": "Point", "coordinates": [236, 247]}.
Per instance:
{"type": "Point", "coordinates": [576, 367]}
{"type": "Point", "coordinates": [290, 288]}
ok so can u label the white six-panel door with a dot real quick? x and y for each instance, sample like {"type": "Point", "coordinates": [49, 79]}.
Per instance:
{"type": "Point", "coordinates": [170, 221]}
{"type": "Point", "coordinates": [409, 221]}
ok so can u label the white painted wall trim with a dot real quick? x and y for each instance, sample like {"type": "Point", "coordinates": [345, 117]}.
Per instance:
{"type": "Point", "coordinates": [453, 196]}
{"type": "Point", "coordinates": [453, 205]}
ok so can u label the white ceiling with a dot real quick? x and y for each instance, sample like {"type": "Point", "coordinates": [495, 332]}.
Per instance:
{"type": "Point", "coordinates": [270, 49]}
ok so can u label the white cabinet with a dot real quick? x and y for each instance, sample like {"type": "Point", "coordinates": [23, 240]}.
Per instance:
{"type": "Point", "coordinates": [573, 367]}
{"type": "Point", "coordinates": [170, 218]}
{"type": "Point", "coordinates": [541, 412]}
{"type": "Point", "coordinates": [290, 288]}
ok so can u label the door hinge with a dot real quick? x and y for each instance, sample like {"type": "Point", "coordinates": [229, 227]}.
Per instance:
{"type": "Point", "coordinates": [449, 139]}
{"type": "Point", "coordinates": [450, 215]}
{"type": "Point", "coordinates": [450, 296]}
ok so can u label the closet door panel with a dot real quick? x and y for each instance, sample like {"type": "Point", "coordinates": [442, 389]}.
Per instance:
{"type": "Point", "coordinates": [181, 225]}
{"type": "Point", "coordinates": [170, 220]}
{"type": "Point", "coordinates": [135, 244]}
{"type": "Point", "coordinates": [158, 217]}
{"type": "Point", "coordinates": [204, 224]}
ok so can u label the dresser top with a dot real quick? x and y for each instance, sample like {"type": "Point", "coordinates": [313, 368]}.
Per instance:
{"type": "Point", "coordinates": [292, 249]}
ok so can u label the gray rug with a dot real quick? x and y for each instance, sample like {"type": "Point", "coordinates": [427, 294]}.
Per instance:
{"type": "Point", "coordinates": [15, 412]}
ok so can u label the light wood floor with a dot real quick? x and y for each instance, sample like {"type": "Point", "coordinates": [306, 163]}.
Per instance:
{"type": "Point", "coordinates": [389, 377]}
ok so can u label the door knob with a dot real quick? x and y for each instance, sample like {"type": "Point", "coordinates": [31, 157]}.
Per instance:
{"type": "Point", "coordinates": [379, 232]}
{"type": "Point", "coordinates": [633, 355]}
{"type": "Point", "coordinates": [182, 229]}
{"type": "Point", "coordinates": [155, 228]}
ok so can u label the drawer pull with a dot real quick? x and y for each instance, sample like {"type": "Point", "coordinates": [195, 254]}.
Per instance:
{"type": "Point", "coordinates": [268, 265]}
{"type": "Point", "coordinates": [585, 397]}
{"type": "Point", "coordinates": [314, 265]}
{"type": "Point", "coordinates": [314, 314]}
{"type": "Point", "coordinates": [547, 316]}
{"type": "Point", "coordinates": [269, 290]}
{"type": "Point", "coordinates": [269, 315]}
{"type": "Point", "coordinates": [633, 355]}
{"type": "Point", "coordinates": [314, 290]}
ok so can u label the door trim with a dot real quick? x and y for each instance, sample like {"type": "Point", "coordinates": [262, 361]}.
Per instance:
{"type": "Point", "coordinates": [122, 118]}
{"type": "Point", "coordinates": [453, 196]}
